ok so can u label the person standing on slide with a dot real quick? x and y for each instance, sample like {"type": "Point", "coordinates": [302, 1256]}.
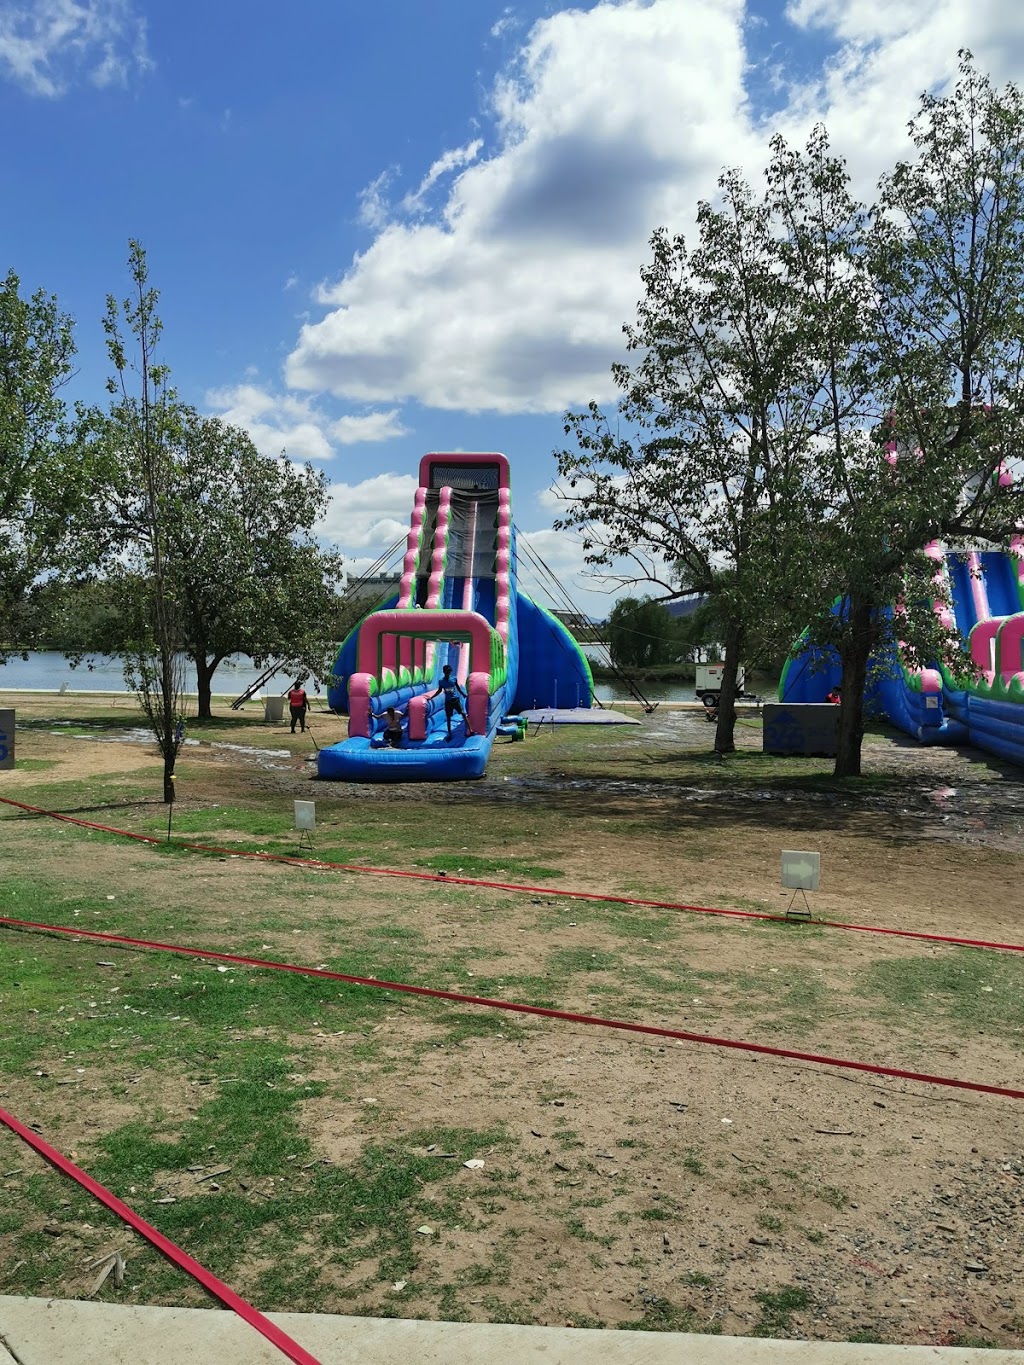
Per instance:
{"type": "Point", "coordinates": [452, 690]}
{"type": "Point", "coordinates": [298, 705]}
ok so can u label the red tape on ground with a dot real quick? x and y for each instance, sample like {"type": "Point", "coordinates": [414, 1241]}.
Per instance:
{"type": "Point", "coordinates": [174, 1254]}
{"type": "Point", "coordinates": [594, 896]}
{"type": "Point", "coordinates": [512, 1007]}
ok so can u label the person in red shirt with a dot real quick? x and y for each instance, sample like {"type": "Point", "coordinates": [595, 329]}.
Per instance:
{"type": "Point", "coordinates": [298, 705]}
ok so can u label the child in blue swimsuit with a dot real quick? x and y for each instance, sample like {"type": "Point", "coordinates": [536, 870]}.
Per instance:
{"type": "Point", "coordinates": [452, 691]}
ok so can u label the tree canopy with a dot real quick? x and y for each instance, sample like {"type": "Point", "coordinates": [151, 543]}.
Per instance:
{"type": "Point", "coordinates": [822, 390]}
{"type": "Point", "coordinates": [641, 634]}
{"type": "Point", "coordinates": [39, 481]}
{"type": "Point", "coordinates": [239, 556]}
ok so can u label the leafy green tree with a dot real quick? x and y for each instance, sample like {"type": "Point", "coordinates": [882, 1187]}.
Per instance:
{"type": "Point", "coordinates": [248, 574]}
{"type": "Point", "coordinates": [705, 491]}
{"type": "Point", "coordinates": [134, 443]}
{"type": "Point", "coordinates": [39, 480]}
{"type": "Point", "coordinates": [823, 391]}
{"type": "Point", "coordinates": [641, 633]}
{"type": "Point", "coordinates": [931, 356]}
{"type": "Point", "coordinates": [78, 618]}
{"type": "Point", "coordinates": [208, 544]}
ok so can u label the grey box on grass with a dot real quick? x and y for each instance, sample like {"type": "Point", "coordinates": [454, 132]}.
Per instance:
{"type": "Point", "coordinates": [6, 739]}
{"type": "Point", "coordinates": [810, 728]}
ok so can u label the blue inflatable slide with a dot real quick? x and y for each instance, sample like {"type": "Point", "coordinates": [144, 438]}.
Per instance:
{"type": "Point", "coordinates": [980, 597]}
{"type": "Point", "coordinates": [459, 606]}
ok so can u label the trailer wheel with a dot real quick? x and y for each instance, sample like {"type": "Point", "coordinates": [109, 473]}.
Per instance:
{"type": "Point", "coordinates": [709, 698]}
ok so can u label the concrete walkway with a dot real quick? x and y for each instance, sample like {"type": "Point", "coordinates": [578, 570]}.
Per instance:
{"type": "Point", "coordinates": [62, 1332]}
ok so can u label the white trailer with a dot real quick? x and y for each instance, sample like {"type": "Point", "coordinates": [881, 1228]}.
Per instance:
{"type": "Point", "coordinates": [709, 683]}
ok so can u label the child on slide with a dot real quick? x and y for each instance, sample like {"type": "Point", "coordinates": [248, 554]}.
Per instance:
{"type": "Point", "coordinates": [452, 690]}
{"type": "Point", "coordinates": [392, 726]}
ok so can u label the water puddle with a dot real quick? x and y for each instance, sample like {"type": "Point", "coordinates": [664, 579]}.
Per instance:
{"type": "Point", "coordinates": [140, 735]}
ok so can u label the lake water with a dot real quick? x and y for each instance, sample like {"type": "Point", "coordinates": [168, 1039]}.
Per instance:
{"type": "Point", "coordinates": [48, 671]}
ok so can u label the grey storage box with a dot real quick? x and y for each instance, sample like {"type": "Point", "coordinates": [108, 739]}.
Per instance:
{"type": "Point", "coordinates": [801, 728]}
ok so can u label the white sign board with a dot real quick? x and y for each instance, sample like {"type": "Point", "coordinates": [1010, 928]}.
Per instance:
{"type": "Point", "coordinates": [800, 871]}
{"type": "Point", "coordinates": [305, 815]}
{"type": "Point", "coordinates": [6, 739]}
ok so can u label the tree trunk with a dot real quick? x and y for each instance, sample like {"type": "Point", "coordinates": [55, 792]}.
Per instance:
{"type": "Point", "coordinates": [725, 741]}
{"type": "Point", "coordinates": [204, 685]}
{"type": "Point", "coordinates": [168, 696]}
{"type": "Point", "coordinates": [169, 762]}
{"type": "Point", "coordinates": [852, 687]}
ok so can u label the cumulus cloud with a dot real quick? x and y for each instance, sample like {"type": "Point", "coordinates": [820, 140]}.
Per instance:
{"type": "Point", "coordinates": [507, 21]}
{"type": "Point", "coordinates": [577, 585]}
{"type": "Point", "coordinates": [370, 427]}
{"type": "Point", "coordinates": [46, 46]}
{"type": "Point", "coordinates": [370, 515]}
{"type": "Point", "coordinates": [275, 422]}
{"type": "Point", "coordinates": [886, 53]}
{"type": "Point", "coordinates": [449, 161]}
{"type": "Point", "coordinates": [511, 297]}
{"type": "Point", "coordinates": [374, 211]}
{"type": "Point", "coordinates": [294, 424]}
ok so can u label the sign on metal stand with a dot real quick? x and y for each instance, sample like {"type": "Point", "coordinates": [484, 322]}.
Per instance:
{"type": "Point", "coordinates": [6, 739]}
{"type": "Point", "coordinates": [801, 872]}
{"type": "Point", "coordinates": [305, 822]}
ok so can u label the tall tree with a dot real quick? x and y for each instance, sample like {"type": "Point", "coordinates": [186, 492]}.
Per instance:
{"type": "Point", "coordinates": [641, 633]}
{"type": "Point", "coordinates": [39, 481]}
{"type": "Point", "coordinates": [936, 271]}
{"type": "Point", "coordinates": [138, 436]}
{"type": "Point", "coordinates": [708, 481]}
{"type": "Point", "coordinates": [853, 383]}
{"type": "Point", "coordinates": [249, 575]}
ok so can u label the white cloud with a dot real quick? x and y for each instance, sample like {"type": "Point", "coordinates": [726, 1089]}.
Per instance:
{"type": "Point", "coordinates": [274, 422]}
{"type": "Point", "coordinates": [46, 46]}
{"type": "Point", "coordinates": [888, 52]}
{"type": "Point", "coordinates": [370, 515]}
{"type": "Point", "coordinates": [291, 282]}
{"type": "Point", "coordinates": [578, 586]}
{"type": "Point", "coordinates": [374, 211]}
{"type": "Point", "coordinates": [507, 21]}
{"type": "Point", "coordinates": [512, 297]}
{"type": "Point", "coordinates": [371, 426]}
{"type": "Point", "coordinates": [449, 161]}
{"type": "Point", "coordinates": [590, 589]}
{"type": "Point", "coordinates": [295, 424]}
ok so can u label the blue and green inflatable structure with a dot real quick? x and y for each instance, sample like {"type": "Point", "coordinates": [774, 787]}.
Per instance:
{"type": "Point", "coordinates": [979, 596]}
{"type": "Point", "coordinates": [459, 604]}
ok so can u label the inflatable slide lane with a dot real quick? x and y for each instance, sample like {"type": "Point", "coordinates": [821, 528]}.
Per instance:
{"type": "Point", "coordinates": [979, 597]}
{"type": "Point", "coordinates": [458, 608]}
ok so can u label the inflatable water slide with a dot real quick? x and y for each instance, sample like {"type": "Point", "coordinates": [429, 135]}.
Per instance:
{"type": "Point", "coordinates": [459, 605]}
{"type": "Point", "coordinates": [980, 597]}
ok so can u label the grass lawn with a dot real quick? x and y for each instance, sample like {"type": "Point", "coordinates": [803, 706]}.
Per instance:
{"type": "Point", "coordinates": [306, 1140]}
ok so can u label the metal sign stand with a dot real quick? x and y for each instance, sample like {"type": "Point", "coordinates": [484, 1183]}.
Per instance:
{"type": "Point", "coordinates": [805, 913]}
{"type": "Point", "coordinates": [801, 871]}
{"type": "Point", "coordinates": [305, 823]}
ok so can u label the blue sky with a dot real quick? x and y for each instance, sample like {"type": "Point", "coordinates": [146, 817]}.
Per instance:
{"type": "Point", "coordinates": [381, 229]}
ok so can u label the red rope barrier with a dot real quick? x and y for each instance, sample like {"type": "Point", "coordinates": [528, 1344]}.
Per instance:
{"type": "Point", "coordinates": [167, 1248]}
{"type": "Point", "coordinates": [513, 1007]}
{"type": "Point", "coordinates": [594, 896]}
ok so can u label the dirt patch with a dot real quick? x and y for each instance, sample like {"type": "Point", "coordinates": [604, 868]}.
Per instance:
{"type": "Point", "coordinates": [675, 1174]}
{"type": "Point", "coordinates": [665, 1185]}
